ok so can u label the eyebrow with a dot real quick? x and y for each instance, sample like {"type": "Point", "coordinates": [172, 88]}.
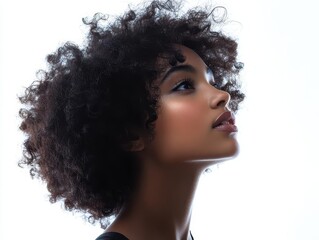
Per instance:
{"type": "Point", "coordinates": [184, 68]}
{"type": "Point", "coordinates": [178, 68]}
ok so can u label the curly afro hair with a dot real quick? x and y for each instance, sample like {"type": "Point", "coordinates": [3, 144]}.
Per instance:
{"type": "Point", "coordinates": [84, 107]}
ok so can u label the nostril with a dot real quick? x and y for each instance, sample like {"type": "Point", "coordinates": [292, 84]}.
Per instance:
{"type": "Point", "coordinates": [221, 103]}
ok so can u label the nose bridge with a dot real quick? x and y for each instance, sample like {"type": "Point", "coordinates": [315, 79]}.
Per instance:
{"type": "Point", "coordinates": [219, 98]}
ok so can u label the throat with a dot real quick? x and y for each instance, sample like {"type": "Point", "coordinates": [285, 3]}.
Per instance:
{"type": "Point", "coordinates": [162, 203]}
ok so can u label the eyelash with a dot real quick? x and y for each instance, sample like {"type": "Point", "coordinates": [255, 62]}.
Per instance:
{"type": "Point", "coordinates": [183, 82]}
{"type": "Point", "coordinates": [190, 83]}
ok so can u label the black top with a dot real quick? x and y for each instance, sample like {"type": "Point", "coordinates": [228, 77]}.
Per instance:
{"type": "Point", "coordinates": [112, 236]}
{"type": "Point", "coordinates": [116, 236]}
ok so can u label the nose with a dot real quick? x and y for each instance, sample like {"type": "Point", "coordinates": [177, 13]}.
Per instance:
{"type": "Point", "coordinates": [219, 98]}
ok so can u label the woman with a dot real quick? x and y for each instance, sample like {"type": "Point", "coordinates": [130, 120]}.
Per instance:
{"type": "Point", "coordinates": [124, 126]}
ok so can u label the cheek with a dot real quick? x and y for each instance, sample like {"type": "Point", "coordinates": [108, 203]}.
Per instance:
{"type": "Point", "coordinates": [183, 132]}
{"type": "Point", "coordinates": [180, 117]}
{"type": "Point", "coordinates": [180, 126]}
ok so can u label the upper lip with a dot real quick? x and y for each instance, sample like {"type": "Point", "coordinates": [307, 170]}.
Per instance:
{"type": "Point", "coordinates": [224, 117]}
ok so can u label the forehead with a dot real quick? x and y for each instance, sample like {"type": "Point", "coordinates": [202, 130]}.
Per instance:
{"type": "Point", "coordinates": [184, 59]}
{"type": "Point", "coordinates": [191, 57]}
{"type": "Point", "coordinates": [181, 55]}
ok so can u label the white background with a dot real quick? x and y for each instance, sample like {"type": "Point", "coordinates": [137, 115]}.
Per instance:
{"type": "Point", "coordinates": [270, 191]}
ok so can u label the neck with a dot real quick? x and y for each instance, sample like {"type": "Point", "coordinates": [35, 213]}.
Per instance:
{"type": "Point", "coordinates": [161, 207]}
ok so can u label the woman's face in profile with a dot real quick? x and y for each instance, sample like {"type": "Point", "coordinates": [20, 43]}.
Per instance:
{"type": "Point", "coordinates": [190, 110]}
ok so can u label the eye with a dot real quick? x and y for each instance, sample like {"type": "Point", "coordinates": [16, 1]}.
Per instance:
{"type": "Point", "coordinates": [183, 85]}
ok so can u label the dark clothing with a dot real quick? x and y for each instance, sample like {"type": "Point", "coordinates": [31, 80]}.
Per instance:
{"type": "Point", "coordinates": [116, 236]}
{"type": "Point", "coordinates": [112, 236]}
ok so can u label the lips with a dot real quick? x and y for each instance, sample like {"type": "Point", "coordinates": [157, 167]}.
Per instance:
{"type": "Point", "coordinates": [225, 122]}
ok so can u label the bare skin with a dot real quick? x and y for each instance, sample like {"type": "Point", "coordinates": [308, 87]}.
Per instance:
{"type": "Point", "coordinates": [185, 144]}
{"type": "Point", "coordinates": [161, 209]}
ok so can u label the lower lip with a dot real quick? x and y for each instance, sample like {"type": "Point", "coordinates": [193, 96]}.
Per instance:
{"type": "Point", "coordinates": [227, 128]}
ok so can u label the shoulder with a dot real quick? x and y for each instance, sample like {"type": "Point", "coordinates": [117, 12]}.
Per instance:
{"type": "Point", "coordinates": [112, 236]}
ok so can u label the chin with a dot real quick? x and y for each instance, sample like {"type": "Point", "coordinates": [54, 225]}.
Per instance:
{"type": "Point", "coordinates": [228, 152]}
{"type": "Point", "coordinates": [220, 157]}
{"type": "Point", "coordinates": [233, 152]}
